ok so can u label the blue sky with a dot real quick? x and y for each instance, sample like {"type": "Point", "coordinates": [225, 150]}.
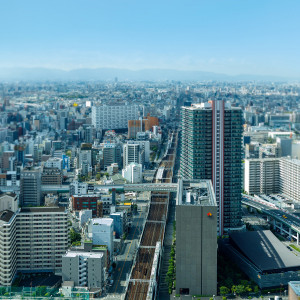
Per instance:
{"type": "Point", "coordinates": [225, 36]}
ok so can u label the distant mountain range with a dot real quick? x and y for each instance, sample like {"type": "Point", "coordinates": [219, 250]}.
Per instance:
{"type": "Point", "coordinates": [108, 74]}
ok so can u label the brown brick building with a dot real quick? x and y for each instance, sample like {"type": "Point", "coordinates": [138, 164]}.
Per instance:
{"type": "Point", "coordinates": [85, 202]}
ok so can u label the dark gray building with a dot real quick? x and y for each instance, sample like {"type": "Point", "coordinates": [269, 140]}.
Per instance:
{"type": "Point", "coordinates": [196, 239]}
{"type": "Point", "coordinates": [30, 187]}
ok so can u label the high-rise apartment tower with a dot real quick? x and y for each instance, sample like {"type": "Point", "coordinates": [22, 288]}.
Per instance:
{"type": "Point", "coordinates": [211, 148]}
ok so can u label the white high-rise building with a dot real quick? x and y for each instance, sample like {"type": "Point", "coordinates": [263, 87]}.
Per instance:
{"type": "Point", "coordinates": [261, 176]}
{"type": "Point", "coordinates": [32, 240]}
{"type": "Point", "coordinates": [42, 238]}
{"type": "Point", "coordinates": [273, 175]}
{"type": "Point", "coordinates": [8, 247]}
{"type": "Point", "coordinates": [290, 177]}
{"type": "Point", "coordinates": [113, 116]}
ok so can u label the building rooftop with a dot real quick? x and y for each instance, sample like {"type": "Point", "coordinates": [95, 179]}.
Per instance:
{"type": "Point", "coordinates": [42, 209]}
{"type": "Point", "coordinates": [102, 221]}
{"type": "Point", "coordinates": [11, 194]}
{"type": "Point", "coordinates": [295, 285]}
{"type": "Point", "coordinates": [264, 250]}
{"type": "Point", "coordinates": [6, 215]}
{"type": "Point", "coordinates": [195, 192]}
{"type": "Point", "coordinates": [292, 160]}
{"type": "Point", "coordinates": [84, 254]}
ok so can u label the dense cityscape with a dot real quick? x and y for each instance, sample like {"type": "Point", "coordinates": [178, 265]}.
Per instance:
{"type": "Point", "coordinates": [149, 190]}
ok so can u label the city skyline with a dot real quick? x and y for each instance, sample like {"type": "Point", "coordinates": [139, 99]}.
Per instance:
{"type": "Point", "coordinates": [229, 37]}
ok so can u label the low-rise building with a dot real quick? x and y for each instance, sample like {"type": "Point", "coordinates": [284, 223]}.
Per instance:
{"type": "Point", "coordinates": [84, 202]}
{"type": "Point", "coordinates": [100, 232]}
{"type": "Point", "coordinates": [83, 268]}
{"type": "Point", "coordinates": [133, 173]}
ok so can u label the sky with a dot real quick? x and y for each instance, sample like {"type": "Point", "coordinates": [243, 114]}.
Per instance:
{"type": "Point", "coordinates": [260, 37]}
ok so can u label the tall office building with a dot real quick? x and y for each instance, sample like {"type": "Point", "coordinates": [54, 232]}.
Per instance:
{"type": "Point", "coordinates": [132, 154]}
{"type": "Point", "coordinates": [211, 148]}
{"type": "Point", "coordinates": [111, 154]}
{"type": "Point", "coordinates": [30, 187]}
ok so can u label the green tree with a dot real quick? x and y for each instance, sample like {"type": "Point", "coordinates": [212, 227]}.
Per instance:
{"type": "Point", "coordinates": [233, 289]}
{"type": "Point", "coordinates": [256, 289]}
{"type": "Point", "coordinates": [224, 290]}
{"type": "Point", "coordinates": [69, 153]}
{"type": "Point", "coordinates": [74, 236]}
{"type": "Point", "coordinates": [240, 289]}
{"type": "Point", "coordinates": [98, 176]}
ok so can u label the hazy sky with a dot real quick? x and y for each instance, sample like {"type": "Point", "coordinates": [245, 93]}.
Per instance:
{"type": "Point", "coordinates": [225, 36]}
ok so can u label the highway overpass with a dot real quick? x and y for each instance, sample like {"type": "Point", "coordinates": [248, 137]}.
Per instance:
{"type": "Point", "coordinates": [283, 220]}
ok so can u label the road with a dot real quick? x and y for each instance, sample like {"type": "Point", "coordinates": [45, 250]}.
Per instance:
{"type": "Point", "coordinates": [278, 214]}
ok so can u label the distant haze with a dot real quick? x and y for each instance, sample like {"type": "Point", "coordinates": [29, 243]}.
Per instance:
{"type": "Point", "coordinates": [108, 74]}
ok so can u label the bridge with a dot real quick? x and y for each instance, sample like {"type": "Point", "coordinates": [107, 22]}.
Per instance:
{"type": "Point", "coordinates": [283, 220]}
{"type": "Point", "coordinates": [139, 187]}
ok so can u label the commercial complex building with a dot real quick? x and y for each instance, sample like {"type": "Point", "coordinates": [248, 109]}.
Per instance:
{"type": "Point", "coordinates": [265, 259]}
{"type": "Point", "coordinates": [211, 148]}
{"type": "Point", "coordinates": [114, 116]}
{"type": "Point", "coordinates": [196, 240]}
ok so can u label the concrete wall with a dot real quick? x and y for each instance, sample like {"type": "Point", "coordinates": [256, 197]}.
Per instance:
{"type": "Point", "coordinates": [70, 266]}
{"type": "Point", "coordinates": [95, 272]}
{"type": "Point", "coordinates": [196, 249]}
